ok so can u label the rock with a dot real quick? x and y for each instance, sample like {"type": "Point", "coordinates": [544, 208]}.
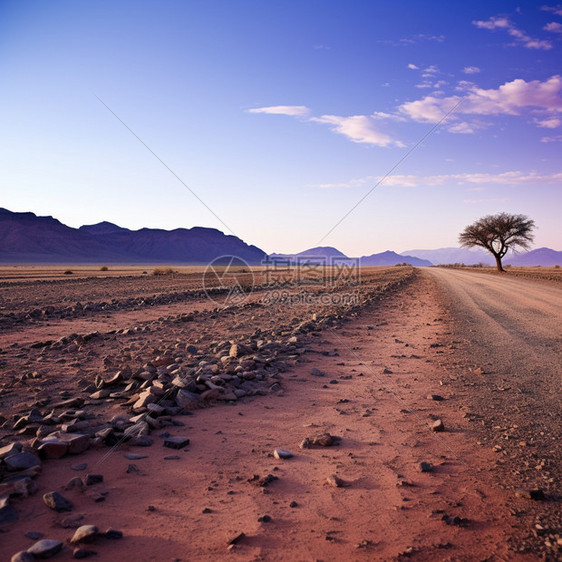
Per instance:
{"type": "Point", "coordinates": [72, 522]}
{"type": "Point", "coordinates": [10, 449]}
{"type": "Point", "coordinates": [74, 483]}
{"type": "Point", "coordinates": [34, 535]}
{"type": "Point", "coordinates": [335, 481]}
{"type": "Point", "coordinates": [264, 519]}
{"type": "Point", "coordinates": [145, 398]}
{"type": "Point", "coordinates": [316, 372]}
{"type": "Point", "coordinates": [7, 513]}
{"type": "Point", "coordinates": [45, 548]}
{"type": "Point", "coordinates": [322, 440]}
{"type": "Point", "coordinates": [236, 538]}
{"type": "Point", "coordinates": [134, 456]}
{"type": "Point", "coordinates": [85, 533]}
{"type": "Point", "coordinates": [79, 553]}
{"type": "Point", "coordinates": [437, 426]}
{"type": "Point", "coordinates": [186, 399]}
{"type": "Point", "coordinates": [176, 442]}
{"type": "Point", "coordinates": [113, 534]}
{"type": "Point", "coordinates": [293, 504]}
{"type": "Point", "coordinates": [22, 556]}
{"type": "Point", "coordinates": [57, 502]}
{"type": "Point", "coordinates": [80, 466]}
{"type": "Point", "coordinates": [77, 442]}
{"type": "Point", "coordinates": [21, 461]}
{"type": "Point", "coordinates": [282, 454]}
{"type": "Point", "coordinates": [436, 397]}
{"type": "Point", "coordinates": [530, 494]}
{"type": "Point", "coordinates": [425, 467]}
{"type": "Point", "coordinates": [52, 449]}
{"type": "Point", "coordinates": [91, 479]}
{"type": "Point", "coordinates": [479, 371]}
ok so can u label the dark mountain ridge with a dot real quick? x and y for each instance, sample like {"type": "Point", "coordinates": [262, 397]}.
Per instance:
{"type": "Point", "coordinates": [28, 238]}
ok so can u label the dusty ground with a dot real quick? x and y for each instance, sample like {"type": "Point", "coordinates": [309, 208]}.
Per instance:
{"type": "Point", "coordinates": [381, 362]}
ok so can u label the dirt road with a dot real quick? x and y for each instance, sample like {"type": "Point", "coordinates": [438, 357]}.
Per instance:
{"type": "Point", "coordinates": [511, 329]}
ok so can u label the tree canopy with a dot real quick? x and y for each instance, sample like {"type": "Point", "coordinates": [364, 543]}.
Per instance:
{"type": "Point", "coordinates": [499, 233]}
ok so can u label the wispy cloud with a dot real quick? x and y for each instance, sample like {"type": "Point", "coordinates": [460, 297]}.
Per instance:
{"type": "Point", "coordinates": [471, 70]}
{"type": "Point", "coordinates": [521, 37]}
{"type": "Point", "coordinates": [555, 138]}
{"type": "Point", "coordinates": [553, 26]}
{"type": "Point", "coordinates": [554, 9]}
{"type": "Point", "coordinates": [552, 123]}
{"type": "Point", "coordinates": [357, 128]}
{"type": "Point", "coordinates": [412, 66]}
{"type": "Point", "coordinates": [412, 40]}
{"type": "Point", "coordinates": [291, 110]}
{"type": "Point", "coordinates": [466, 179]}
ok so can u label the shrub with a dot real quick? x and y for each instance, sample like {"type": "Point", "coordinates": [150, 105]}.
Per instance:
{"type": "Point", "coordinates": [163, 271]}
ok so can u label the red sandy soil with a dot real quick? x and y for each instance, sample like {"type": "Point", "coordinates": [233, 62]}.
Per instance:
{"type": "Point", "coordinates": [389, 359]}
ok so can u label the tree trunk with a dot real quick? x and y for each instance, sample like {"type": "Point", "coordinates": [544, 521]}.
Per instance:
{"type": "Point", "coordinates": [499, 263]}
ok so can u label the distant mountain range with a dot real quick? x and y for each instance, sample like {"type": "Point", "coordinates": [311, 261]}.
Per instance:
{"type": "Point", "coordinates": [27, 238]}
{"type": "Point", "coordinates": [327, 254]}
{"type": "Point", "coordinates": [545, 257]}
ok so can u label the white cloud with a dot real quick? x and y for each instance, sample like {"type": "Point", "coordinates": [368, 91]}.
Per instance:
{"type": "Point", "coordinates": [555, 9]}
{"type": "Point", "coordinates": [291, 110]}
{"type": "Point", "coordinates": [553, 26]}
{"type": "Point", "coordinates": [412, 66]}
{"type": "Point", "coordinates": [471, 179]}
{"type": "Point", "coordinates": [551, 123]}
{"type": "Point", "coordinates": [357, 128]}
{"type": "Point", "coordinates": [555, 138]}
{"type": "Point", "coordinates": [463, 128]}
{"type": "Point", "coordinates": [510, 98]}
{"type": "Point", "coordinates": [471, 70]}
{"type": "Point", "coordinates": [520, 36]}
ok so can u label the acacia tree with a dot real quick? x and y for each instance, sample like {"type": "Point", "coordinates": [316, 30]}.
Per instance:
{"type": "Point", "coordinates": [498, 233]}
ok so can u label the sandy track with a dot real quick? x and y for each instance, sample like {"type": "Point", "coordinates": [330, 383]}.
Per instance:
{"type": "Point", "coordinates": [388, 360]}
{"type": "Point", "coordinates": [512, 329]}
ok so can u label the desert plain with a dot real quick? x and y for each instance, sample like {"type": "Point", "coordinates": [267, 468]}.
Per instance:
{"type": "Point", "coordinates": [413, 413]}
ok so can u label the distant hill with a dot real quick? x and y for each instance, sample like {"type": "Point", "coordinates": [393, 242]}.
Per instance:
{"type": "Point", "coordinates": [392, 258]}
{"type": "Point", "coordinates": [541, 256]}
{"type": "Point", "coordinates": [327, 254]}
{"type": "Point", "coordinates": [324, 254]}
{"type": "Point", "coordinates": [27, 238]}
{"type": "Point", "coordinates": [470, 256]}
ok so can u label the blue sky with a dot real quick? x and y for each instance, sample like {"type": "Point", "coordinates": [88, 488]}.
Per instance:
{"type": "Point", "coordinates": [282, 115]}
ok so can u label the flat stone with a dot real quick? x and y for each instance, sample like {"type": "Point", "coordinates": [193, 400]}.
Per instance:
{"type": "Point", "coordinates": [45, 548]}
{"type": "Point", "coordinates": [113, 534]}
{"type": "Point", "coordinates": [34, 535]}
{"type": "Point", "coordinates": [52, 449]}
{"type": "Point", "coordinates": [176, 442]}
{"type": "Point", "coordinates": [72, 522]}
{"type": "Point", "coordinates": [85, 533]}
{"type": "Point", "coordinates": [91, 479]}
{"type": "Point", "coordinates": [78, 467]}
{"type": "Point", "coordinates": [134, 456]}
{"type": "Point", "coordinates": [282, 454]}
{"type": "Point", "coordinates": [79, 553]}
{"type": "Point", "coordinates": [21, 461]}
{"type": "Point", "coordinates": [57, 502]}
